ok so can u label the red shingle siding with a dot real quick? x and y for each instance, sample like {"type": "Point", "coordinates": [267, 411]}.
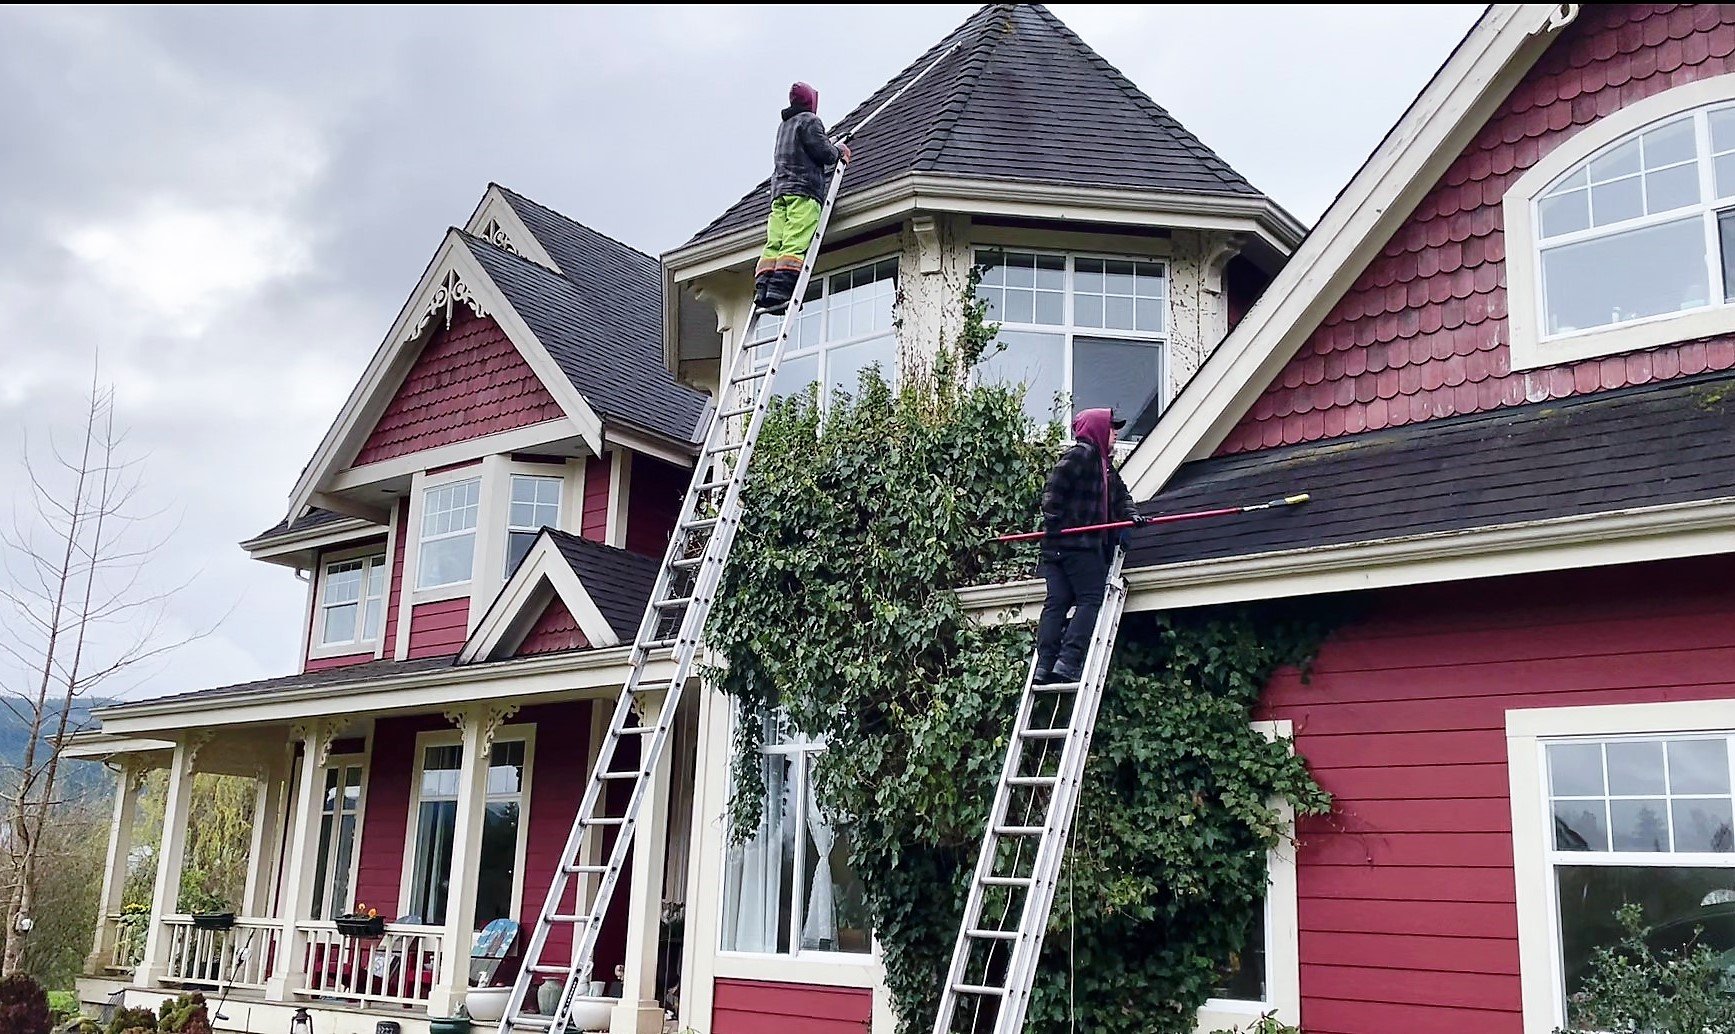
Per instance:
{"type": "Point", "coordinates": [593, 521]}
{"type": "Point", "coordinates": [1407, 889]}
{"type": "Point", "coordinates": [468, 382]}
{"type": "Point", "coordinates": [395, 592]}
{"type": "Point", "coordinates": [1422, 332]}
{"type": "Point", "coordinates": [763, 1007]}
{"type": "Point", "coordinates": [555, 630]}
{"type": "Point", "coordinates": [653, 504]}
{"type": "Point", "coordinates": [437, 629]}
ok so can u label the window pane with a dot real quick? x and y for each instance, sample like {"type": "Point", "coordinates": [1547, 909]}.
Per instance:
{"type": "Point", "coordinates": [1723, 129]}
{"type": "Point", "coordinates": [1127, 375]}
{"type": "Point", "coordinates": [1150, 317]}
{"type": "Point", "coordinates": [993, 265]}
{"type": "Point", "coordinates": [1087, 276]}
{"type": "Point", "coordinates": [1724, 166]}
{"type": "Point", "coordinates": [1726, 236]}
{"type": "Point", "coordinates": [1050, 308]}
{"type": "Point", "coordinates": [1616, 201]}
{"type": "Point", "coordinates": [794, 375]}
{"type": "Point", "coordinates": [1034, 360]}
{"type": "Point", "coordinates": [371, 619]}
{"type": "Point", "coordinates": [321, 868]}
{"type": "Point", "coordinates": [1117, 313]}
{"type": "Point", "coordinates": [759, 885]}
{"type": "Point", "coordinates": [1242, 977]}
{"type": "Point", "coordinates": [1020, 306]}
{"type": "Point", "coordinates": [435, 821]}
{"type": "Point", "coordinates": [1641, 825]}
{"type": "Point", "coordinates": [1149, 280]}
{"type": "Point", "coordinates": [1625, 276]}
{"type": "Point", "coordinates": [1118, 278]}
{"type": "Point", "coordinates": [340, 862]}
{"type": "Point", "coordinates": [1669, 144]}
{"type": "Point", "coordinates": [1621, 160]}
{"type": "Point", "coordinates": [1087, 310]}
{"type": "Point", "coordinates": [343, 582]}
{"type": "Point", "coordinates": [499, 860]}
{"type": "Point", "coordinates": [1021, 271]}
{"type": "Point", "coordinates": [1580, 826]}
{"type": "Point", "coordinates": [1635, 768]}
{"type": "Point", "coordinates": [440, 771]}
{"type": "Point", "coordinates": [848, 362]}
{"type": "Point", "coordinates": [1672, 188]}
{"type": "Point", "coordinates": [445, 561]}
{"type": "Point", "coordinates": [339, 624]}
{"type": "Point", "coordinates": [1575, 770]}
{"type": "Point", "coordinates": [1673, 900]}
{"type": "Point", "coordinates": [506, 768]}
{"type": "Point", "coordinates": [1699, 766]}
{"type": "Point", "coordinates": [1577, 181]}
{"type": "Point", "coordinates": [1703, 825]}
{"type": "Point", "coordinates": [518, 544]}
{"type": "Point", "coordinates": [834, 916]}
{"type": "Point", "coordinates": [1564, 213]}
{"type": "Point", "coordinates": [376, 577]}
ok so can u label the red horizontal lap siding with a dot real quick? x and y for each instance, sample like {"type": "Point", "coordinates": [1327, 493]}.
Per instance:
{"type": "Point", "coordinates": [1422, 332]}
{"type": "Point", "coordinates": [653, 504]}
{"type": "Point", "coordinates": [322, 663]}
{"type": "Point", "coordinates": [1406, 889]}
{"type": "Point", "coordinates": [555, 630]}
{"type": "Point", "coordinates": [763, 1007]}
{"type": "Point", "coordinates": [469, 381]}
{"type": "Point", "coordinates": [556, 782]}
{"type": "Point", "coordinates": [397, 583]}
{"type": "Point", "coordinates": [380, 876]}
{"type": "Point", "coordinates": [593, 521]}
{"type": "Point", "coordinates": [438, 628]}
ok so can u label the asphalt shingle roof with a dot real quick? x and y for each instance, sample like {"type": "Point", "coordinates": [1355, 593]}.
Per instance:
{"type": "Point", "coordinates": [313, 518]}
{"type": "Point", "coordinates": [372, 671]}
{"type": "Point", "coordinates": [1662, 443]}
{"type": "Point", "coordinates": [1021, 99]}
{"type": "Point", "coordinates": [601, 320]}
{"type": "Point", "coordinates": [619, 582]}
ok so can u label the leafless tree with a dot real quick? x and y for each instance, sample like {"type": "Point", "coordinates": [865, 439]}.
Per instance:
{"type": "Point", "coordinates": [78, 614]}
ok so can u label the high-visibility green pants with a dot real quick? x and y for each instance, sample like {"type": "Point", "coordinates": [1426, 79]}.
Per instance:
{"type": "Point", "coordinates": [793, 220]}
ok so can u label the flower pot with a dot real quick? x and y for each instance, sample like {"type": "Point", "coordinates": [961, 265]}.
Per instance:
{"type": "Point", "coordinates": [591, 1014]}
{"type": "Point", "coordinates": [361, 926]}
{"type": "Point", "coordinates": [548, 996]}
{"type": "Point", "coordinates": [213, 920]}
{"type": "Point", "coordinates": [486, 1004]}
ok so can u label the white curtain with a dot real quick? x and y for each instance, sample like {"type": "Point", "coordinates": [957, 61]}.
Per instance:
{"type": "Point", "coordinates": [819, 926]}
{"type": "Point", "coordinates": [755, 871]}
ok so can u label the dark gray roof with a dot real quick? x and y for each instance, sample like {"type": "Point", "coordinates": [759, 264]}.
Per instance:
{"type": "Point", "coordinates": [1672, 442]}
{"type": "Point", "coordinates": [601, 320]}
{"type": "Point", "coordinates": [619, 582]}
{"type": "Point", "coordinates": [372, 671]}
{"type": "Point", "coordinates": [1022, 99]}
{"type": "Point", "coordinates": [313, 518]}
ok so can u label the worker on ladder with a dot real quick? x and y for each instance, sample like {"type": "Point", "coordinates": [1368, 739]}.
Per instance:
{"type": "Point", "coordinates": [801, 169]}
{"type": "Point", "coordinates": [1083, 489]}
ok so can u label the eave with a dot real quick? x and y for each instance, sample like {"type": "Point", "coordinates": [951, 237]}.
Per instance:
{"type": "Point", "coordinates": [297, 549]}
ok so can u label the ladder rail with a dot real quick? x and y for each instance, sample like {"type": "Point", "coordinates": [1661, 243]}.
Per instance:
{"type": "Point", "coordinates": [629, 707]}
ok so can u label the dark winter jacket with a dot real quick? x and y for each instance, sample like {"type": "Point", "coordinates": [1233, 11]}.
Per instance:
{"type": "Point", "coordinates": [803, 155]}
{"type": "Point", "coordinates": [1073, 498]}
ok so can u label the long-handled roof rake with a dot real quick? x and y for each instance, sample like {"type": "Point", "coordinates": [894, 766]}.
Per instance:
{"type": "Point", "coordinates": [1167, 518]}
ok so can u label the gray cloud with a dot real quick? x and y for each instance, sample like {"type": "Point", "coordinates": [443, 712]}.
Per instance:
{"type": "Point", "coordinates": [231, 204]}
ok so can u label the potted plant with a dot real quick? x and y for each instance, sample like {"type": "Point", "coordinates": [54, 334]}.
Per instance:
{"type": "Point", "coordinates": [213, 920]}
{"type": "Point", "coordinates": [361, 921]}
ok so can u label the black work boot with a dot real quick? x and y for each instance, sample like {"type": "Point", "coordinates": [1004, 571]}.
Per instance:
{"type": "Point", "coordinates": [780, 290]}
{"type": "Point", "coordinates": [761, 285]}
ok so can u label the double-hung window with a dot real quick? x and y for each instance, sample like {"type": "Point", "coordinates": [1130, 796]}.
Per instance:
{"type": "Point", "coordinates": [535, 505]}
{"type": "Point", "coordinates": [845, 326]}
{"type": "Point", "coordinates": [1088, 330]}
{"type": "Point", "coordinates": [1640, 820]}
{"type": "Point", "coordinates": [790, 889]}
{"type": "Point", "coordinates": [448, 538]}
{"type": "Point", "coordinates": [352, 600]}
{"type": "Point", "coordinates": [502, 831]}
{"type": "Point", "coordinates": [339, 824]}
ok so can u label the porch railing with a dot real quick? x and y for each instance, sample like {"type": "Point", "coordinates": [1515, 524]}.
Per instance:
{"type": "Point", "coordinates": [124, 934]}
{"type": "Point", "coordinates": [241, 956]}
{"type": "Point", "coordinates": [400, 967]}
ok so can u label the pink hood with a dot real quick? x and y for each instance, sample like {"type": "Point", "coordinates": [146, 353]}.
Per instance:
{"type": "Point", "coordinates": [1092, 425]}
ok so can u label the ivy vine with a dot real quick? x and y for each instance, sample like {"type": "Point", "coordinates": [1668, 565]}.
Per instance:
{"type": "Point", "coordinates": [838, 611]}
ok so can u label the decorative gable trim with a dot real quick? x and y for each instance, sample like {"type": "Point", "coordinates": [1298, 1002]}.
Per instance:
{"type": "Point", "coordinates": [1447, 114]}
{"type": "Point", "coordinates": [496, 222]}
{"type": "Point", "coordinates": [454, 277]}
{"type": "Point", "coordinates": [543, 575]}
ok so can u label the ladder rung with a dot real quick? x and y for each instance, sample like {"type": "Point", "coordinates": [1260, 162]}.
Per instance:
{"type": "Point", "coordinates": [703, 522]}
{"type": "Point", "coordinates": [995, 935]}
{"type": "Point", "coordinates": [1018, 831]}
{"type": "Point", "coordinates": [550, 970]}
{"type": "Point", "coordinates": [1008, 881]}
{"type": "Point", "coordinates": [1056, 687]}
{"type": "Point", "coordinates": [688, 561]}
{"type": "Point", "coordinates": [637, 730]}
{"type": "Point", "coordinates": [674, 601]}
{"type": "Point", "coordinates": [579, 870]}
{"type": "Point", "coordinates": [711, 486]}
{"type": "Point", "coordinates": [727, 447]}
{"type": "Point", "coordinates": [1033, 780]}
{"type": "Point", "coordinates": [979, 989]}
{"type": "Point", "coordinates": [1045, 734]}
{"type": "Point", "coordinates": [730, 414]}
{"type": "Point", "coordinates": [558, 917]}
{"type": "Point", "coordinates": [535, 1022]}
{"type": "Point", "coordinates": [603, 821]}
{"type": "Point", "coordinates": [619, 775]}
{"type": "Point", "coordinates": [658, 644]}
{"type": "Point", "coordinates": [752, 375]}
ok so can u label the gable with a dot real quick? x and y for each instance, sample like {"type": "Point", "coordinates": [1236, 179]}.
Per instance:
{"type": "Point", "coordinates": [554, 631]}
{"type": "Point", "coordinates": [468, 381]}
{"type": "Point", "coordinates": [1422, 333]}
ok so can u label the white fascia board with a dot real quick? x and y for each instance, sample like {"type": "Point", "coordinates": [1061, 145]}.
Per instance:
{"type": "Point", "coordinates": [1595, 540]}
{"type": "Point", "coordinates": [518, 238]}
{"type": "Point", "coordinates": [1447, 114]}
{"type": "Point", "coordinates": [580, 674]}
{"type": "Point", "coordinates": [93, 745]}
{"type": "Point", "coordinates": [337, 533]}
{"type": "Point", "coordinates": [520, 602]}
{"type": "Point", "coordinates": [1256, 215]}
{"type": "Point", "coordinates": [619, 436]}
{"type": "Point", "coordinates": [392, 361]}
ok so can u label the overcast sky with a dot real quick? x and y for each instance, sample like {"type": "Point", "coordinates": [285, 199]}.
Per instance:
{"type": "Point", "coordinates": [232, 205]}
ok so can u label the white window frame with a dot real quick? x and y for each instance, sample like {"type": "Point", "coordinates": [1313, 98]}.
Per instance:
{"type": "Point", "coordinates": [317, 647]}
{"type": "Point", "coordinates": [525, 732]}
{"type": "Point", "coordinates": [1530, 348]}
{"type": "Point", "coordinates": [1070, 330]}
{"type": "Point", "coordinates": [338, 762]}
{"type": "Point", "coordinates": [1528, 732]}
{"type": "Point", "coordinates": [825, 347]}
{"type": "Point", "coordinates": [476, 531]}
{"type": "Point", "coordinates": [552, 473]}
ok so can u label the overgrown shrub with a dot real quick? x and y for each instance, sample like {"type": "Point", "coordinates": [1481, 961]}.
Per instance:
{"type": "Point", "coordinates": [127, 1019]}
{"type": "Point", "coordinates": [23, 1006]}
{"type": "Point", "coordinates": [184, 1015]}
{"type": "Point", "coordinates": [1634, 987]}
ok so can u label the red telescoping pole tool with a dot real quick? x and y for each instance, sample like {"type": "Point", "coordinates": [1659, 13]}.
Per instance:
{"type": "Point", "coordinates": [1168, 518]}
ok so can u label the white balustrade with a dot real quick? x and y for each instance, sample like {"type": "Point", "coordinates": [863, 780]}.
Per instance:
{"type": "Point", "coordinates": [240, 957]}
{"type": "Point", "coordinates": [398, 968]}
{"type": "Point", "coordinates": [125, 938]}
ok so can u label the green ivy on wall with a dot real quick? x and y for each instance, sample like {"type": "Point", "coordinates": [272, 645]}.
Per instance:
{"type": "Point", "coordinates": [837, 609]}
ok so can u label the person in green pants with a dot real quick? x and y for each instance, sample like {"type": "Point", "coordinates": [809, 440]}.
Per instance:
{"type": "Point", "coordinates": [800, 164]}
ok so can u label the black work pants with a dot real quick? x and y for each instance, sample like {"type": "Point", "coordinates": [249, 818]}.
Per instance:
{"type": "Point", "coordinates": [1077, 579]}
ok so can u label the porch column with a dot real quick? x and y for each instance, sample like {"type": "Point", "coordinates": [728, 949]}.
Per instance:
{"type": "Point", "coordinates": [268, 806]}
{"type": "Point", "coordinates": [639, 1011]}
{"type": "Point", "coordinates": [165, 897]}
{"type": "Point", "coordinates": [114, 874]}
{"type": "Point", "coordinates": [478, 726]}
{"type": "Point", "coordinates": [288, 971]}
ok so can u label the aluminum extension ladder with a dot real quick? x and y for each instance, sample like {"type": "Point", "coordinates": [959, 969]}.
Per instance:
{"type": "Point", "coordinates": [994, 960]}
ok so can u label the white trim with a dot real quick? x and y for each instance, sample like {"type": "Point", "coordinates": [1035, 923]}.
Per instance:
{"type": "Point", "coordinates": [1526, 731]}
{"type": "Point", "coordinates": [543, 575]}
{"type": "Point", "coordinates": [420, 487]}
{"type": "Point", "coordinates": [317, 648]}
{"type": "Point", "coordinates": [618, 436]}
{"type": "Point", "coordinates": [512, 233]}
{"type": "Point", "coordinates": [393, 527]}
{"type": "Point", "coordinates": [1528, 350]}
{"type": "Point", "coordinates": [403, 344]}
{"type": "Point", "coordinates": [364, 760]}
{"type": "Point", "coordinates": [619, 495]}
{"type": "Point", "coordinates": [519, 439]}
{"type": "Point", "coordinates": [1377, 201]}
{"type": "Point", "coordinates": [336, 533]}
{"type": "Point", "coordinates": [1627, 536]}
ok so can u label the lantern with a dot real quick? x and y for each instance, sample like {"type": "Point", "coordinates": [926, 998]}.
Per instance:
{"type": "Point", "coordinates": [301, 1023]}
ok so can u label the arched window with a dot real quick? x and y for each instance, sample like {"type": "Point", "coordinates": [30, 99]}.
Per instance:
{"type": "Point", "coordinates": [1624, 237]}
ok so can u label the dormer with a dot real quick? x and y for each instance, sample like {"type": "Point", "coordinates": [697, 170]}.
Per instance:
{"type": "Point", "coordinates": [1117, 249]}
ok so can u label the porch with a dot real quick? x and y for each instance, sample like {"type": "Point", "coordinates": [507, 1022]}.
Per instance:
{"type": "Point", "coordinates": [447, 824]}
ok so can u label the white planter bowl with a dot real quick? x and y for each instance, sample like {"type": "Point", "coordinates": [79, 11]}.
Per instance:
{"type": "Point", "coordinates": [487, 1004]}
{"type": "Point", "coordinates": [590, 1014]}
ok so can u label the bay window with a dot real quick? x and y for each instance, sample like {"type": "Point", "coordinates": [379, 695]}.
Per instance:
{"type": "Point", "coordinates": [790, 889]}
{"type": "Point", "coordinates": [1082, 329]}
{"type": "Point", "coordinates": [448, 536]}
{"type": "Point", "coordinates": [535, 505]}
{"type": "Point", "coordinates": [352, 601]}
{"type": "Point", "coordinates": [499, 872]}
{"type": "Point", "coordinates": [845, 326]}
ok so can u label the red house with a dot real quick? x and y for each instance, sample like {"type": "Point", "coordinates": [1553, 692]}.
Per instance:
{"type": "Point", "coordinates": [1502, 363]}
